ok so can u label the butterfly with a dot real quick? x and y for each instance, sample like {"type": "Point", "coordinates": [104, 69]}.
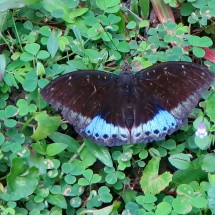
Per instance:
{"type": "Point", "coordinates": [141, 107]}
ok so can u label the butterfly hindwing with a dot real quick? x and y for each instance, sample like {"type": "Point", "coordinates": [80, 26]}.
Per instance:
{"type": "Point", "coordinates": [108, 126]}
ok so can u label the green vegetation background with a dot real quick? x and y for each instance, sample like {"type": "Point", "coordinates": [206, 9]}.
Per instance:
{"type": "Point", "coordinates": [44, 168]}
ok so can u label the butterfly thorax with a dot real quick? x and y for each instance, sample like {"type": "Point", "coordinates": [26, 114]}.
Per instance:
{"type": "Point", "coordinates": [126, 82]}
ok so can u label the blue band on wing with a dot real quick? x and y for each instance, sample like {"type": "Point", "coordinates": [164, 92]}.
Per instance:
{"type": "Point", "coordinates": [104, 132]}
{"type": "Point", "coordinates": [160, 125]}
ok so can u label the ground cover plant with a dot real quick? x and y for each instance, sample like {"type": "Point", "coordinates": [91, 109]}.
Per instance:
{"type": "Point", "coordinates": [45, 167]}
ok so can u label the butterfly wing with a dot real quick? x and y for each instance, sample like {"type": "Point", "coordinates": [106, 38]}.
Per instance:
{"type": "Point", "coordinates": [90, 101]}
{"type": "Point", "coordinates": [173, 89]}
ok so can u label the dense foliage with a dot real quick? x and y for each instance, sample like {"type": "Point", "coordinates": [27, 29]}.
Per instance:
{"type": "Point", "coordinates": [44, 167]}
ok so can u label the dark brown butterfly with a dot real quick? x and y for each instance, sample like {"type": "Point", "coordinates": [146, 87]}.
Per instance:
{"type": "Point", "coordinates": [130, 108]}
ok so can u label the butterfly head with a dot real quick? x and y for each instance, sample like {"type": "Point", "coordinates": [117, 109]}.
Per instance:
{"type": "Point", "coordinates": [126, 67]}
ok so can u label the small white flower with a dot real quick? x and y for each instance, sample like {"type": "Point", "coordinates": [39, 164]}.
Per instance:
{"type": "Point", "coordinates": [201, 132]}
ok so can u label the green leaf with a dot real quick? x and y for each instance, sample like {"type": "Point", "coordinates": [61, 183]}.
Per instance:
{"type": "Point", "coordinates": [200, 41]}
{"type": "Point", "coordinates": [39, 148]}
{"type": "Point", "coordinates": [83, 182]}
{"type": "Point", "coordinates": [150, 181]}
{"type": "Point", "coordinates": [94, 55]}
{"type": "Point", "coordinates": [202, 143]}
{"type": "Point", "coordinates": [87, 158]}
{"type": "Point", "coordinates": [95, 32]}
{"type": "Point", "coordinates": [74, 168]}
{"type": "Point", "coordinates": [2, 65]}
{"type": "Point", "coordinates": [46, 125]}
{"type": "Point", "coordinates": [99, 152]}
{"type": "Point", "coordinates": [169, 144]}
{"type": "Point", "coordinates": [75, 202]}
{"type": "Point", "coordinates": [32, 48]}
{"type": "Point", "coordinates": [109, 6]}
{"type": "Point", "coordinates": [188, 175]}
{"type": "Point", "coordinates": [40, 70]}
{"type": "Point", "coordinates": [113, 19]}
{"type": "Point", "coordinates": [2, 138]}
{"type": "Point", "coordinates": [95, 179]}
{"type": "Point", "coordinates": [211, 198]}
{"type": "Point", "coordinates": [22, 180]}
{"type": "Point", "coordinates": [185, 190]}
{"type": "Point", "coordinates": [52, 44]}
{"type": "Point", "coordinates": [3, 17]}
{"type": "Point", "coordinates": [28, 25]}
{"type": "Point", "coordinates": [208, 163]}
{"type": "Point", "coordinates": [77, 33]}
{"type": "Point", "coordinates": [111, 178]}
{"type": "Point", "coordinates": [163, 208]}
{"type": "Point", "coordinates": [45, 31]}
{"type": "Point", "coordinates": [10, 123]}
{"type": "Point", "coordinates": [55, 148]}
{"type": "Point", "coordinates": [104, 193]}
{"type": "Point", "coordinates": [42, 54]}
{"type": "Point", "coordinates": [198, 52]}
{"type": "Point", "coordinates": [145, 8]}
{"type": "Point", "coordinates": [58, 7]}
{"type": "Point", "coordinates": [131, 25]}
{"type": "Point", "coordinates": [143, 47]}
{"type": "Point", "coordinates": [88, 174]}
{"type": "Point", "coordinates": [199, 202]}
{"type": "Point", "coordinates": [180, 161]}
{"type": "Point", "coordinates": [143, 23]}
{"type": "Point", "coordinates": [209, 106]}
{"type": "Point", "coordinates": [77, 12]}
{"type": "Point", "coordinates": [146, 199]}
{"type": "Point", "coordinates": [63, 41]}
{"type": "Point", "coordinates": [25, 56]}
{"type": "Point", "coordinates": [10, 80]}
{"type": "Point", "coordinates": [57, 200]}
{"type": "Point", "coordinates": [23, 107]}
{"type": "Point", "coordinates": [206, 41]}
{"type": "Point", "coordinates": [30, 82]}
{"type": "Point", "coordinates": [70, 179]}
{"type": "Point", "coordinates": [123, 47]}
{"type": "Point", "coordinates": [72, 144]}
{"type": "Point", "coordinates": [186, 9]}
{"type": "Point", "coordinates": [5, 5]}
{"type": "Point", "coordinates": [10, 111]}
{"type": "Point", "coordinates": [181, 205]}
{"type": "Point", "coordinates": [105, 210]}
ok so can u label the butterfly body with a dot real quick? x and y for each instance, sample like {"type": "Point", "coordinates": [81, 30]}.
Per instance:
{"type": "Point", "coordinates": [129, 108]}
